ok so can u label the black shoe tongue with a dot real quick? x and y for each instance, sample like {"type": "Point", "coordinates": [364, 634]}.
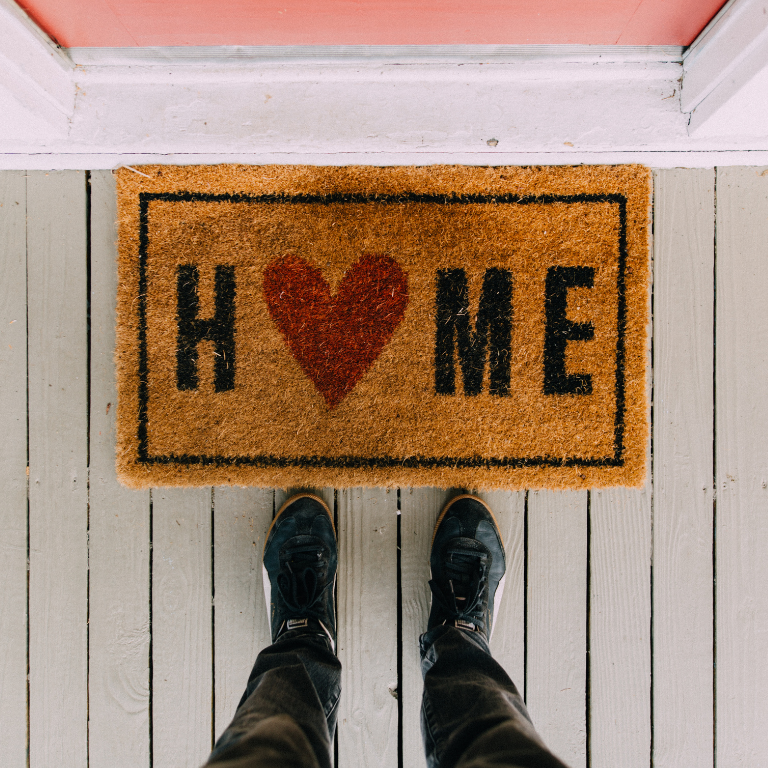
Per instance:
{"type": "Point", "coordinates": [301, 569]}
{"type": "Point", "coordinates": [471, 546]}
{"type": "Point", "coordinates": [462, 566]}
{"type": "Point", "coordinates": [461, 590]}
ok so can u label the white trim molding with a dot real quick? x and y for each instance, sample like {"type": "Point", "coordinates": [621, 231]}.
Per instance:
{"type": "Point", "coordinates": [486, 105]}
{"type": "Point", "coordinates": [376, 54]}
{"type": "Point", "coordinates": [34, 72]}
{"type": "Point", "coordinates": [726, 63]}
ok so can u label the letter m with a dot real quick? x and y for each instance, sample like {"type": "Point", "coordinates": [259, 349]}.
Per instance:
{"type": "Point", "coordinates": [492, 333]}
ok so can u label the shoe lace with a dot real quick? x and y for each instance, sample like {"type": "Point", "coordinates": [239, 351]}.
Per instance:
{"type": "Point", "coordinates": [467, 584]}
{"type": "Point", "coordinates": [299, 583]}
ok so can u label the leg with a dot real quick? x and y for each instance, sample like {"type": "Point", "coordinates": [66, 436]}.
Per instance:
{"type": "Point", "coordinates": [472, 714]}
{"type": "Point", "coordinates": [287, 716]}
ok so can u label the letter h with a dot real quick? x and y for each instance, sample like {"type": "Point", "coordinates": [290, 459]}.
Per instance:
{"type": "Point", "coordinates": [220, 329]}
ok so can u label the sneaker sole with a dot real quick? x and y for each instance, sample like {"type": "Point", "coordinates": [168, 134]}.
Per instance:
{"type": "Point", "coordinates": [500, 589]}
{"type": "Point", "coordinates": [264, 575]}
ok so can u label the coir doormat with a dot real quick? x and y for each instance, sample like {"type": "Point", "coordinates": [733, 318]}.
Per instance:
{"type": "Point", "coordinates": [447, 326]}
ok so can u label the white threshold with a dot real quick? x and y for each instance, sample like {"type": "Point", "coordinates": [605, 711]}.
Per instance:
{"type": "Point", "coordinates": [390, 54]}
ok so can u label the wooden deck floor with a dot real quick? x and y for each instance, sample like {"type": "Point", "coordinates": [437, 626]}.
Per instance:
{"type": "Point", "coordinates": [635, 622]}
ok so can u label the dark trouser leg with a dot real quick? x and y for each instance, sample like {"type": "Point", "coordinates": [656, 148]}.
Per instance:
{"type": "Point", "coordinates": [472, 716]}
{"type": "Point", "coordinates": [287, 716]}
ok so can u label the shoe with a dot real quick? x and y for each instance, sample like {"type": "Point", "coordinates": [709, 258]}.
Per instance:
{"type": "Point", "coordinates": [300, 568]}
{"type": "Point", "coordinates": [468, 564]}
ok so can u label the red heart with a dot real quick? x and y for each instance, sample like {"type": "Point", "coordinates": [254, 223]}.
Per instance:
{"type": "Point", "coordinates": [336, 339]}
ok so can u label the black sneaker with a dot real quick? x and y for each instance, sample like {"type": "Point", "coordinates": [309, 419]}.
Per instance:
{"type": "Point", "coordinates": [468, 564]}
{"type": "Point", "coordinates": [300, 568]}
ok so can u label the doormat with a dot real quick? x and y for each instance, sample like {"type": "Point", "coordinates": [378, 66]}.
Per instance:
{"type": "Point", "coordinates": [447, 326]}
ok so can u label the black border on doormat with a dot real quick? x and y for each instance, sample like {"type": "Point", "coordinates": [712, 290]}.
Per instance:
{"type": "Point", "coordinates": [355, 462]}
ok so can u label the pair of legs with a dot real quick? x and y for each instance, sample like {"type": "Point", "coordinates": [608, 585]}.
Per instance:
{"type": "Point", "coordinates": [472, 716]}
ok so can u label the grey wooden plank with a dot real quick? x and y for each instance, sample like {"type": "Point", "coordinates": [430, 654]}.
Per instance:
{"type": "Point", "coordinates": [419, 508]}
{"type": "Point", "coordinates": [557, 621]}
{"type": "Point", "coordinates": [741, 468]}
{"type": "Point", "coordinates": [118, 686]}
{"type": "Point", "coordinates": [620, 628]}
{"type": "Point", "coordinates": [13, 466]}
{"type": "Point", "coordinates": [508, 638]}
{"type": "Point", "coordinates": [620, 614]}
{"type": "Point", "coordinates": [58, 474]}
{"type": "Point", "coordinates": [367, 627]}
{"type": "Point", "coordinates": [182, 660]}
{"type": "Point", "coordinates": [241, 617]}
{"type": "Point", "coordinates": [682, 467]}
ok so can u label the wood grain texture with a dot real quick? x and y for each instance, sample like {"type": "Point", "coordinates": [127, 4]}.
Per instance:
{"type": "Point", "coordinates": [241, 617]}
{"type": "Point", "coordinates": [182, 662]}
{"type": "Point", "coordinates": [367, 627]}
{"type": "Point", "coordinates": [419, 508]}
{"type": "Point", "coordinates": [557, 621]}
{"type": "Point", "coordinates": [118, 686]}
{"type": "Point", "coordinates": [13, 466]}
{"type": "Point", "coordinates": [58, 474]}
{"type": "Point", "coordinates": [619, 718]}
{"type": "Point", "coordinates": [508, 638]}
{"type": "Point", "coordinates": [682, 467]}
{"type": "Point", "coordinates": [741, 468]}
{"type": "Point", "coordinates": [620, 628]}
